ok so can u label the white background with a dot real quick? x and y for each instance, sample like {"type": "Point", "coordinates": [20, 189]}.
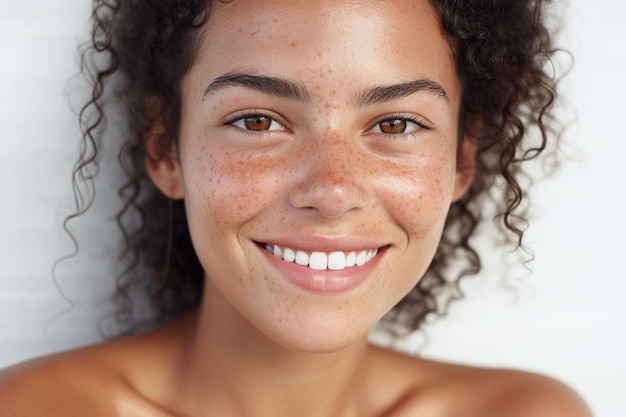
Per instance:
{"type": "Point", "coordinates": [567, 319]}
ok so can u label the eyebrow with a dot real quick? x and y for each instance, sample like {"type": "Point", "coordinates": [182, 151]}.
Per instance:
{"type": "Point", "coordinates": [268, 85]}
{"type": "Point", "coordinates": [387, 93]}
{"type": "Point", "coordinates": [291, 90]}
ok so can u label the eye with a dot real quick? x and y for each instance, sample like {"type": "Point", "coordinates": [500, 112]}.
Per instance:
{"type": "Point", "coordinates": [257, 123]}
{"type": "Point", "coordinates": [396, 126]}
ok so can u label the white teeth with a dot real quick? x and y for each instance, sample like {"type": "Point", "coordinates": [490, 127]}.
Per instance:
{"type": "Point", "coordinates": [351, 260]}
{"type": "Point", "coordinates": [289, 255]}
{"type": "Point", "coordinates": [318, 261]}
{"type": "Point", "coordinates": [302, 258]}
{"type": "Point", "coordinates": [371, 254]}
{"type": "Point", "coordinates": [360, 258]}
{"type": "Point", "coordinates": [337, 261]}
{"type": "Point", "coordinates": [321, 261]}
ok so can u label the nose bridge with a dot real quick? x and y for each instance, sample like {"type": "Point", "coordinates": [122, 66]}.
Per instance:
{"type": "Point", "coordinates": [334, 158]}
{"type": "Point", "coordinates": [332, 181]}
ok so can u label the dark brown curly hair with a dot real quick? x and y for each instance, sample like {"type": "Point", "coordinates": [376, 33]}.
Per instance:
{"type": "Point", "coordinates": [141, 49]}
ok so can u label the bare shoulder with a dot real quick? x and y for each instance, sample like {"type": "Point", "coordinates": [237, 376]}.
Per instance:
{"type": "Point", "coordinates": [443, 389]}
{"type": "Point", "coordinates": [101, 380]}
{"type": "Point", "coordinates": [58, 385]}
{"type": "Point", "coordinates": [522, 394]}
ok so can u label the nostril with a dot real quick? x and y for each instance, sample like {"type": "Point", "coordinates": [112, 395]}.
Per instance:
{"type": "Point", "coordinates": [331, 201]}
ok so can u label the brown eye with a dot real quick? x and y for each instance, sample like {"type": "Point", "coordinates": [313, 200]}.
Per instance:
{"type": "Point", "coordinates": [397, 126]}
{"type": "Point", "coordinates": [258, 123]}
{"type": "Point", "coordinates": [394, 126]}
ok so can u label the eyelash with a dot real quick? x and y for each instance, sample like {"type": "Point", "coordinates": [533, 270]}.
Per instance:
{"type": "Point", "coordinates": [230, 121]}
{"type": "Point", "coordinates": [420, 123]}
{"type": "Point", "coordinates": [409, 118]}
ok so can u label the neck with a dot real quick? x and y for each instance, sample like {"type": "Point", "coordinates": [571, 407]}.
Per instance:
{"type": "Point", "coordinates": [231, 368]}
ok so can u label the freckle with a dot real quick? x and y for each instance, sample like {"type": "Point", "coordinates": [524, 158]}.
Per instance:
{"type": "Point", "coordinates": [293, 44]}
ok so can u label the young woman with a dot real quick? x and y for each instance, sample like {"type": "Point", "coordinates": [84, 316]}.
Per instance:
{"type": "Point", "coordinates": [300, 169]}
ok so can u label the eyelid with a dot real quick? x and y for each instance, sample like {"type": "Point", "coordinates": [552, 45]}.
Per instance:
{"type": "Point", "coordinates": [242, 114]}
{"type": "Point", "coordinates": [420, 121]}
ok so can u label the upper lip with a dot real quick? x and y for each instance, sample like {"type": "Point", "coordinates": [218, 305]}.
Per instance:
{"type": "Point", "coordinates": [312, 243]}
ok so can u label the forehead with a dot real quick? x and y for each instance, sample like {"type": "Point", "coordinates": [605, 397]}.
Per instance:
{"type": "Point", "coordinates": [398, 39]}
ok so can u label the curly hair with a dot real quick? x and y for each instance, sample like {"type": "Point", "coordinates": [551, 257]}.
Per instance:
{"type": "Point", "coordinates": [141, 49]}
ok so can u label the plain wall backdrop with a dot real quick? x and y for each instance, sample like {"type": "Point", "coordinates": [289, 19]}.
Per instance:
{"type": "Point", "coordinates": [566, 319]}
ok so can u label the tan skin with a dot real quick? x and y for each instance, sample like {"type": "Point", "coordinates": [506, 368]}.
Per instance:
{"type": "Point", "coordinates": [325, 170]}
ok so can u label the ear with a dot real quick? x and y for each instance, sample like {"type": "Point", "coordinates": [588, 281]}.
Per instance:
{"type": "Point", "coordinates": [466, 161]}
{"type": "Point", "coordinates": [161, 159]}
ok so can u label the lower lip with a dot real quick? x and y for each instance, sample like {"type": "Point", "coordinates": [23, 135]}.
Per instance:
{"type": "Point", "coordinates": [326, 281]}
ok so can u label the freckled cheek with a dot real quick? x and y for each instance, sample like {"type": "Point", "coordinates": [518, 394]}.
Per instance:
{"type": "Point", "coordinates": [420, 196]}
{"type": "Point", "coordinates": [227, 188]}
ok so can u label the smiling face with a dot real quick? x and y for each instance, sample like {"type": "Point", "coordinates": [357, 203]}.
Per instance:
{"type": "Point", "coordinates": [317, 158]}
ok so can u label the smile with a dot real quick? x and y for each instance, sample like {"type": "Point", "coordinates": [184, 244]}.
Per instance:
{"type": "Point", "coordinates": [320, 261]}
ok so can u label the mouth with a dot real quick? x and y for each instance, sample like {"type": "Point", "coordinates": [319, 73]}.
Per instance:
{"type": "Point", "coordinates": [320, 261]}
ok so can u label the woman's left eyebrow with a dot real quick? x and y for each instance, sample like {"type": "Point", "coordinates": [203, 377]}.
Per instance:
{"type": "Point", "coordinates": [385, 93]}
{"type": "Point", "coordinates": [291, 90]}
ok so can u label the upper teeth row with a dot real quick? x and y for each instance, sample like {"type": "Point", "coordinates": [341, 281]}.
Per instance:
{"type": "Point", "coordinates": [320, 260]}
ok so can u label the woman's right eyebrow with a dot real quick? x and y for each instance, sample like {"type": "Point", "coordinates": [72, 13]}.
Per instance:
{"type": "Point", "coordinates": [291, 90]}
{"type": "Point", "coordinates": [264, 84]}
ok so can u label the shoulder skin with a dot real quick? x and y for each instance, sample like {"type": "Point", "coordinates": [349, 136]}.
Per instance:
{"type": "Point", "coordinates": [449, 390]}
{"type": "Point", "coordinates": [94, 381]}
{"type": "Point", "coordinates": [86, 382]}
{"type": "Point", "coordinates": [50, 387]}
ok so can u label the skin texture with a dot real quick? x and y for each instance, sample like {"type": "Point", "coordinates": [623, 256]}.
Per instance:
{"type": "Point", "coordinates": [325, 177]}
{"type": "Point", "coordinates": [326, 182]}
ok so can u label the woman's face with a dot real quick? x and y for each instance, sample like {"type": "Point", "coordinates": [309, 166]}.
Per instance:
{"type": "Point", "coordinates": [326, 132]}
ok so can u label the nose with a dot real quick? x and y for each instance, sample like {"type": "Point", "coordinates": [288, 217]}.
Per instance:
{"type": "Point", "coordinates": [331, 178]}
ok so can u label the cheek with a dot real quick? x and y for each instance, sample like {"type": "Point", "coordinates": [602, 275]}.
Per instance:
{"type": "Point", "coordinates": [225, 188]}
{"type": "Point", "coordinates": [419, 194]}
